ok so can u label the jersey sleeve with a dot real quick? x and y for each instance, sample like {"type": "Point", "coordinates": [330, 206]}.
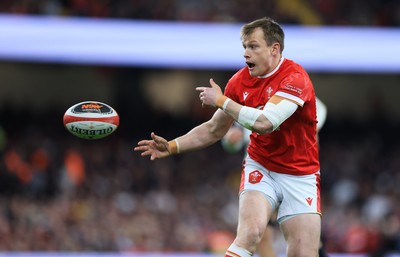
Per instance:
{"type": "Point", "coordinates": [295, 87]}
{"type": "Point", "coordinates": [230, 88]}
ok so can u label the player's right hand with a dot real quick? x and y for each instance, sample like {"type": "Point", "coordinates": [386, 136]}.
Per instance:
{"type": "Point", "coordinates": [209, 95]}
{"type": "Point", "coordinates": [156, 148]}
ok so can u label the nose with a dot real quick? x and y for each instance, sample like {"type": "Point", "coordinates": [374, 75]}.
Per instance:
{"type": "Point", "coordinates": [246, 54]}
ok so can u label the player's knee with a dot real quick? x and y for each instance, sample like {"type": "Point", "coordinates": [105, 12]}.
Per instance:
{"type": "Point", "coordinates": [302, 251]}
{"type": "Point", "coordinates": [251, 236]}
{"type": "Point", "coordinates": [306, 253]}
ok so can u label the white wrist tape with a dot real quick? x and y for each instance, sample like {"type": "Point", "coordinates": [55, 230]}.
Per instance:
{"type": "Point", "coordinates": [248, 116]}
{"type": "Point", "coordinates": [178, 150]}
{"type": "Point", "coordinates": [278, 113]}
{"type": "Point", "coordinates": [225, 103]}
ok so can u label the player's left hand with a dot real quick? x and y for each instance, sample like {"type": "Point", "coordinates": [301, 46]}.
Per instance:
{"type": "Point", "coordinates": [156, 148]}
{"type": "Point", "coordinates": [209, 95]}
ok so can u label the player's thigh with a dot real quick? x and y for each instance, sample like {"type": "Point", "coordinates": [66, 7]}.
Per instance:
{"type": "Point", "coordinates": [254, 214]}
{"type": "Point", "coordinates": [302, 233]}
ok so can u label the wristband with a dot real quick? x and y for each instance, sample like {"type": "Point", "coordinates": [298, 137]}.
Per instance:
{"type": "Point", "coordinates": [221, 101]}
{"type": "Point", "coordinates": [225, 104]}
{"type": "Point", "coordinates": [173, 146]}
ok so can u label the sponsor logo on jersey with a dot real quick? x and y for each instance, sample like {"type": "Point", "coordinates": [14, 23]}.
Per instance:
{"type": "Point", "coordinates": [245, 94]}
{"type": "Point", "coordinates": [297, 90]}
{"type": "Point", "coordinates": [309, 200]}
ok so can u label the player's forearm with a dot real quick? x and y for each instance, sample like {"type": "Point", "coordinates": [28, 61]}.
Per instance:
{"type": "Point", "coordinates": [248, 117]}
{"type": "Point", "coordinates": [198, 138]}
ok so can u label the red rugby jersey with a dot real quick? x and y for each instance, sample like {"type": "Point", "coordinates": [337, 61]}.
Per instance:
{"type": "Point", "coordinates": [292, 148]}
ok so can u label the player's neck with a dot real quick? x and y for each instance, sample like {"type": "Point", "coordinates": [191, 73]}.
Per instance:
{"type": "Point", "coordinates": [276, 63]}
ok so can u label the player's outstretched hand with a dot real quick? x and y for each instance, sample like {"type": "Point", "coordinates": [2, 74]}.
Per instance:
{"type": "Point", "coordinates": [210, 95]}
{"type": "Point", "coordinates": [157, 147]}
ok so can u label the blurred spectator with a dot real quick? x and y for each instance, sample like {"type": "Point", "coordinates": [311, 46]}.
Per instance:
{"type": "Point", "coordinates": [307, 12]}
{"type": "Point", "coordinates": [163, 207]}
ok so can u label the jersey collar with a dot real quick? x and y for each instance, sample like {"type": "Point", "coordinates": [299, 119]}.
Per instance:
{"type": "Point", "coordinates": [272, 72]}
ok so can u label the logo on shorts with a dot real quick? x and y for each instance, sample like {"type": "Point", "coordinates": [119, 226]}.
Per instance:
{"type": "Point", "coordinates": [309, 200]}
{"type": "Point", "coordinates": [255, 177]}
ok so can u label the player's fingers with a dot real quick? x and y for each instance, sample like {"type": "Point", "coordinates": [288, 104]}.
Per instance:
{"type": "Point", "coordinates": [144, 142]}
{"type": "Point", "coordinates": [145, 153]}
{"type": "Point", "coordinates": [213, 84]}
{"type": "Point", "coordinates": [141, 148]}
{"type": "Point", "coordinates": [157, 139]}
{"type": "Point", "coordinates": [153, 155]}
{"type": "Point", "coordinates": [200, 88]}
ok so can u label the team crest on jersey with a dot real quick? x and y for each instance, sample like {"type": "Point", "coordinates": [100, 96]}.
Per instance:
{"type": "Point", "coordinates": [255, 177]}
{"type": "Point", "coordinates": [269, 91]}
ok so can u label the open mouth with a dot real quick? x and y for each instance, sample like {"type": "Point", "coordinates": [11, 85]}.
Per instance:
{"type": "Point", "coordinates": [250, 65]}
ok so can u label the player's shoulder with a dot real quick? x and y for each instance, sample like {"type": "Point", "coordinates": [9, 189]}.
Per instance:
{"type": "Point", "coordinates": [243, 73]}
{"type": "Point", "coordinates": [291, 66]}
{"type": "Point", "coordinates": [239, 79]}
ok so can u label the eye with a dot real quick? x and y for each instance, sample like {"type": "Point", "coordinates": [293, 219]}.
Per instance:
{"type": "Point", "coordinates": [250, 46]}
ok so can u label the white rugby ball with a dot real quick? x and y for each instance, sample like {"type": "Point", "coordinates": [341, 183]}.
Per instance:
{"type": "Point", "coordinates": [91, 120]}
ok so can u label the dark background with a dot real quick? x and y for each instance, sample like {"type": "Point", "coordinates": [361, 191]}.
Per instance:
{"type": "Point", "coordinates": [61, 193]}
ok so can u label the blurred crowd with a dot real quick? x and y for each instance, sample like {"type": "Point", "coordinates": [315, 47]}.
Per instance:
{"type": "Point", "coordinates": [62, 193]}
{"type": "Point", "coordinates": [58, 192]}
{"type": "Point", "coordinates": [308, 12]}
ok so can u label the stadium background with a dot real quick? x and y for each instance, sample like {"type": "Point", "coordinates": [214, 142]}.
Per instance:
{"type": "Point", "coordinates": [62, 194]}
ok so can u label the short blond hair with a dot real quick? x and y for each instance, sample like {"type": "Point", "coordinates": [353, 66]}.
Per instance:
{"type": "Point", "coordinates": [273, 32]}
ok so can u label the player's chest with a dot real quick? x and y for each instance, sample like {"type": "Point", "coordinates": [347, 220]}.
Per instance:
{"type": "Point", "coordinates": [258, 94]}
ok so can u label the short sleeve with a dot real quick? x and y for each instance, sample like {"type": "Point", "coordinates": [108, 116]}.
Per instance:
{"type": "Point", "coordinates": [295, 87]}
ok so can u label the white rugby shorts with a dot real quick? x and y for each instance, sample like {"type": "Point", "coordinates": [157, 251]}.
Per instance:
{"type": "Point", "coordinates": [289, 194]}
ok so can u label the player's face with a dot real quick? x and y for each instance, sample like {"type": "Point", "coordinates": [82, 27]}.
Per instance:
{"type": "Point", "coordinates": [260, 58]}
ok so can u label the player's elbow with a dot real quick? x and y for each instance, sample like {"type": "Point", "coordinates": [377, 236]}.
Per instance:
{"type": "Point", "coordinates": [263, 127]}
{"type": "Point", "coordinates": [215, 132]}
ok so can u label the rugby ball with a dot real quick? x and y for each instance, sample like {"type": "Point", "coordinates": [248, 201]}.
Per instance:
{"type": "Point", "coordinates": [91, 120]}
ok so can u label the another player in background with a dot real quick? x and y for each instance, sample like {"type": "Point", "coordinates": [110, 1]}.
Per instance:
{"type": "Point", "coordinates": [236, 139]}
{"type": "Point", "coordinates": [274, 97]}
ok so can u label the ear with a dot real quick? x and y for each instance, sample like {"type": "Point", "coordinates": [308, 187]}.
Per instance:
{"type": "Point", "coordinates": [276, 48]}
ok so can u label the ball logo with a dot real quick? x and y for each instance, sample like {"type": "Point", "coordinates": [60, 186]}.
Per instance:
{"type": "Point", "coordinates": [91, 132]}
{"type": "Point", "coordinates": [89, 107]}
{"type": "Point", "coordinates": [92, 106]}
{"type": "Point", "coordinates": [255, 177]}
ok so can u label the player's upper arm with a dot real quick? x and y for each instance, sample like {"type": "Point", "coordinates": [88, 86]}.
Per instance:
{"type": "Point", "coordinates": [219, 124]}
{"type": "Point", "coordinates": [278, 109]}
